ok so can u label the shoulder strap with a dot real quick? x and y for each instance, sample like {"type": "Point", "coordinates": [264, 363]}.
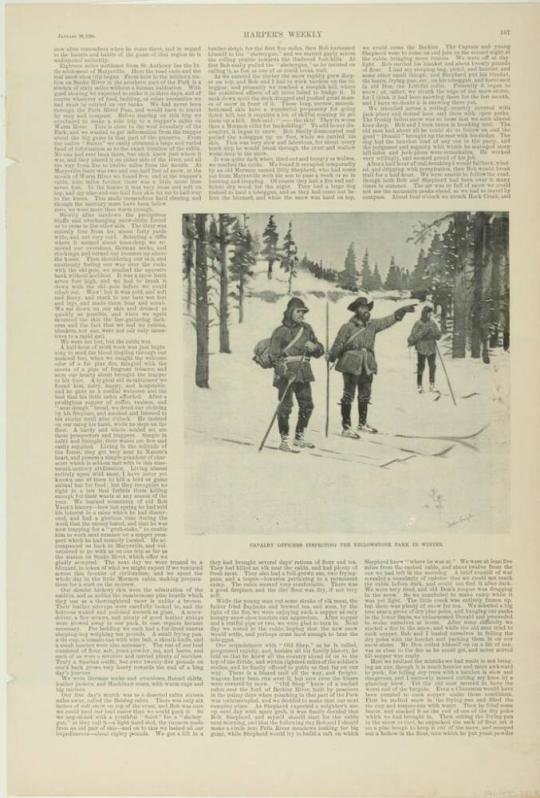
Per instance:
{"type": "Point", "coordinates": [294, 340]}
{"type": "Point", "coordinates": [355, 334]}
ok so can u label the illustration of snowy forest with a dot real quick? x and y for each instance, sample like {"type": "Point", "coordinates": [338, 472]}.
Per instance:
{"type": "Point", "coordinates": [435, 463]}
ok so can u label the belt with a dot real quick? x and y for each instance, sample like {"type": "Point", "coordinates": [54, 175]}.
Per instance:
{"type": "Point", "coordinates": [295, 358]}
{"type": "Point", "coordinates": [360, 349]}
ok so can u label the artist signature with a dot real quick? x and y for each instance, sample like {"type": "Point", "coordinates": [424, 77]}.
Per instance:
{"type": "Point", "coordinates": [460, 520]}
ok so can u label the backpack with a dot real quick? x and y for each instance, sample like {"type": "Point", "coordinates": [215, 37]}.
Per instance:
{"type": "Point", "coordinates": [261, 351]}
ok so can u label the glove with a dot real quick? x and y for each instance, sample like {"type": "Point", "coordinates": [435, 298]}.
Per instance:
{"type": "Point", "coordinates": [281, 368]}
{"type": "Point", "coordinates": [398, 314]}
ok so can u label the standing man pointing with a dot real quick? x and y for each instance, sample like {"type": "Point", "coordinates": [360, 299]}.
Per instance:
{"type": "Point", "coordinates": [354, 351]}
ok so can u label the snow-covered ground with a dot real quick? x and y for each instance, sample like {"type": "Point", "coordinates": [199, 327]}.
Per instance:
{"type": "Point", "coordinates": [438, 479]}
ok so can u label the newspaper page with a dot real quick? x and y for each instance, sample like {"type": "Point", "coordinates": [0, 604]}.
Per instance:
{"type": "Point", "coordinates": [273, 284]}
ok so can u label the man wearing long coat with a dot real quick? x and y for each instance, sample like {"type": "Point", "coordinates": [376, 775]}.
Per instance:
{"type": "Point", "coordinates": [292, 345]}
{"type": "Point", "coordinates": [353, 351]}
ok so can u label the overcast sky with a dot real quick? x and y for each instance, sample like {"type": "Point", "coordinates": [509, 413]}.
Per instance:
{"type": "Point", "coordinates": [327, 235]}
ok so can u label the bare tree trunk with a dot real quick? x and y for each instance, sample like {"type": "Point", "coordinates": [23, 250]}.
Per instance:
{"type": "Point", "coordinates": [479, 255]}
{"type": "Point", "coordinates": [487, 283]}
{"type": "Point", "coordinates": [444, 315]}
{"type": "Point", "coordinates": [506, 330]}
{"type": "Point", "coordinates": [241, 299]}
{"type": "Point", "coordinates": [290, 281]}
{"type": "Point", "coordinates": [495, 295]}
{"type": "Point", "coordinates": [269, 273]}
{"type": "Point", "coordinates": [485, 350]}
{"type": "Point", "coordinates": [506, 289]}
{"type": "Point", "coordinates": [188, 267]}
{"type": "Point", "coordinates": [460, 298]}
{"type": "Point", "coordinates": [201, 306]}
{"type": "Point", "coordinates": [459, 334]}
{"type": "Point", "coordinates": [224, 343]}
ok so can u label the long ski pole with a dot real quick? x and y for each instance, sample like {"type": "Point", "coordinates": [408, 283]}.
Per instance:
{"type": "Point", "coordinates": [445, 373]}
{"type": "Point", "coordinates": [285, 392]}
{"type": "Point", "coordinates": [327, 370]}
{"type": "Point", "coordinates": [267, 433]}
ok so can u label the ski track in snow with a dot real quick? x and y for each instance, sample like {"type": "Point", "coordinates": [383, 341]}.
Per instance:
{"type": "Point", "coordinates": [434, 466]}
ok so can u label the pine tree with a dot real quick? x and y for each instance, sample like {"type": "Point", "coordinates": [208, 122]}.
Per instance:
{"type": "Point", "coordinates": [256, 245]}
{"type": "Point", "coordinates": [189, 235]}
{"type": "Point", "coordinates": [405, 279]}
{"type": "Point", "coordinates": [499, 287]}
{"type": "Point", "coordinates": [289, 256]}
{"type": "Point", "coordinates": [435, 264]}
{"type": "Point", "coordinates": [445, 288]}
{"type": "Point", "coordinates": [225, 223]}
{"type": "Point", "coordinates": [201, 305]}
{"type": "Point", "coordinates": [479, 323]}
{"type": "Point", "coordinates": [439, 274]}
{"type": "Point", "coordinates": [348, 277]}
{"type": "Point", "coordinates": [377, 279]}
{"type": "Point", "coordinates": [392, 281]}
{"type": "Point", "coordinates": [242, 261]}
{"type": "Point", "coordinates": [270, 244]}
{"type": "Point", "coordinates": [461, 287]}
{"type": "Point", "coordinates": [350, 267]}
{"type": "Point", "coordinates": [366, 276]}
{"type": "Point", "coordinates": [212, 243]}
{"type": "Point", "coordinates": [418, 278]}
{"type": "Point", "coordinates": [506, 283]}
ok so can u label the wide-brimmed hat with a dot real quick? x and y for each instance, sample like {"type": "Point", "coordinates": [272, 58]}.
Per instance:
{"type": "Point", "coordinates": [361, 301]}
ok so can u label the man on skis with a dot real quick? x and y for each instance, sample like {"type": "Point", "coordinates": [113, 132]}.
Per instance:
{"type": "Point", "coordinates": [423, 337]}
{"type": "Point", "coordinates": [354, 351]}
{"type": "Point", "coordinates": [292, 345]}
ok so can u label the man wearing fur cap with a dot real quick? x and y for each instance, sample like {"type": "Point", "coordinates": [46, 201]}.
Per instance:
{"type": "Point", "coordinates": [423, 337]}
{"type": "Point", "coordinates": [292, 345]}
{"type": "Point", "coordinates": [354, 351]}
